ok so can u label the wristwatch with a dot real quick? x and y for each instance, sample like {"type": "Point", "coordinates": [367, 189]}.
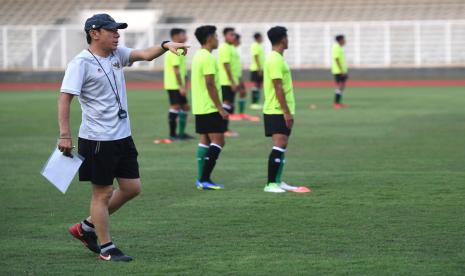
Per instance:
{"type": "Point", "coordinates": [163, 45]}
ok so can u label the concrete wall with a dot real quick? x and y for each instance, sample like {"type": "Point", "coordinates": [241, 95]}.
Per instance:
{"type": "Point", "coordinates": [301, 75]}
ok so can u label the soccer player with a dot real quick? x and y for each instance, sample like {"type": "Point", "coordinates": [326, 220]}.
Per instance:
{"type": "Point", "coordinates": [96, 76]}
{"type": "Point", "coordinates": [278, 109]}
{"type": "Point", "coordinates": [237, 71]}
{"type": "Point", "coordinates": [175, 84]}
{"type": "Point", "coordinates": [229, 86]}
{"type": "Point", "coordinates": [210, 116]}
{"type": "Point", "coordinates": [257, 53]}
{"type": "Point", "coordinates": [339, 70]}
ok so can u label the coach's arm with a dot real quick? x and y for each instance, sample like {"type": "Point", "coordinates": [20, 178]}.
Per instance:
{"type": "Point", "coordinates": [151, 53]}
{"type": "Point", "coordinates": [65, 143]}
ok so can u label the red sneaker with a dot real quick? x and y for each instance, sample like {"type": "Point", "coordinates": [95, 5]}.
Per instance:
{"type": "Point", "coordinates": [89, 239]}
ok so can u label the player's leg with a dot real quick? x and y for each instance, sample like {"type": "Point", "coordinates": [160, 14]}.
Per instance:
{"type": "Point", "coordinates": [211, 156]}
{"type": "Point", "coordinates": [228, 105]}
{"type": "Point", "coordinates": [211, 127]}
{"type": "Point", "coordinates": [338, 90]}
{"type": "Point", "coordinates": [275, 162]}
{"type": "Point", "coordinates": [183, 114]}
{"type": "Point", "coordinates": [202, 148]}
{"type": "Point", "coordinates": [173, 112]}
{"type": "Point", "coordinates": [342, 87]}
{"type": "Point", "coordinates": [242, 98]}
{"type": "Point", "coordinates": [257, 83]}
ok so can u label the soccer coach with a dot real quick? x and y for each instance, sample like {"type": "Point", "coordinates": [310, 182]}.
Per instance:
{"type": "Point", "coordinates": [96, 76]}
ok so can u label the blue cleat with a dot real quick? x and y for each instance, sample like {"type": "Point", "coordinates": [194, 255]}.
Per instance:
{"type": "Point", "coordinates": [208, 185]}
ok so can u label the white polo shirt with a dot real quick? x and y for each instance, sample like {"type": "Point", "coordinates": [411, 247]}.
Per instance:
{"type": "Point", "coordinates": [86, 79]}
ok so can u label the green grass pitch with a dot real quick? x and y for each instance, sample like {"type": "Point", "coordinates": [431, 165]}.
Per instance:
{"type": "Point", "coordinates": [387, 175]}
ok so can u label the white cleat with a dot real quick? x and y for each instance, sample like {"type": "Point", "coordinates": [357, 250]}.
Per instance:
{"type": "Point", "coordinates": [273, 188]}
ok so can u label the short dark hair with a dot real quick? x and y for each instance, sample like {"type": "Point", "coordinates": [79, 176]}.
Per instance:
{"type": "Point", "coordinates": [203, 32]}
{"type": "Point", "coordinates": [276, 34]}
{"type": "Point", "coordinates": [257, 35]}
{"type": "Point", "coordinates": [227, 30]}
{"type": "Point", "coordinates": [238, 36]}
{"type": "Point", "coordinates": [88, 37]}
{"type": "Point", "coordinates": [176, 31]}
{"type": "Point", "coordinates": [339, 37]}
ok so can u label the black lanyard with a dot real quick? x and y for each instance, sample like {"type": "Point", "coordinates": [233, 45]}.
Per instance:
{"type": "Point", "coordinates": [115, 90]}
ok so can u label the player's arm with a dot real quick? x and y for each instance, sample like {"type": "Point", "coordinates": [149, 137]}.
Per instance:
{"type": "Point", "coordinates": [257, 61]}
{"type": "Point", "coordinates": [227, 68]}
{"type": "Point", "coordinates": [151, 53]}
{"type": "Point", "coordinates": [65, 143]}
{"type": "Point", "coordinates": [339, 65]}
{"type": "Point", "coordinates": [278, 86]}
{"type": "Point", "coordinates": [213, 93]}
{"type": "Point", "coordinates": [177, 73]}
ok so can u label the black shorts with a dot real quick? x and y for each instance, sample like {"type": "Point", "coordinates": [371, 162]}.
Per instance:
{"type": "Point", "coordinates": [340, 78]}
{"type": "Point", "coordinates": [210, 123]}
{"type": "Point", "coordinates": [228, 94]}
{"type": "Point", "coordinates": [275, 124]}
{"type": "Point", "coordinates": [256, 77]}
{"type": "Point", "coordinates": [105, 160]}
{"type": "Point", "coordinates": [176, 97]}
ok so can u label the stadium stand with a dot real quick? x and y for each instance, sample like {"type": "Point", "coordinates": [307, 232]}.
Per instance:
{"type": "Point", "coordinates": [22, 12]}
{"type": "Point", "coordinates": [382, 33]}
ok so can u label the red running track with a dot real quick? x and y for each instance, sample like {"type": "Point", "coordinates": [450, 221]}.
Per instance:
{"type": "Point", "coordinates": [301, 84]}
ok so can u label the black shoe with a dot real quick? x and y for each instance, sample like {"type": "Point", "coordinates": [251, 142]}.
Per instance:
{"type": "Point", "coordinates": [89, 239]}
{"type": "Point", "coordinates": [115, 255]}
{"type": "Point", "coordinates": [185, 136]}
{"type": "Point", "coordinates": [175, 138]}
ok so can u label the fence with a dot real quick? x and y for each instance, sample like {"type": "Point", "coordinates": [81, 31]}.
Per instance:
{"type": "Point", "coordinates": [370, 44]}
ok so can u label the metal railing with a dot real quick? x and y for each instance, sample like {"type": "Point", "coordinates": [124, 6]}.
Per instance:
{"type": "Point", "coordinates": [377, 44]}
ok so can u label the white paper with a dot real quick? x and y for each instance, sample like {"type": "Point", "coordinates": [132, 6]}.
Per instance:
{"type": "Point", "coordinates": [60, 170]}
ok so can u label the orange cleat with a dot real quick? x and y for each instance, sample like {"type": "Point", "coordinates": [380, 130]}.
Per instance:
{"type": "Point", "coordinates": [250, 117]}
{"type": "Point", "coordinates": [162, 141]}
{"type": "Point", "coordinates": [339, 106]}
{"type": "Point", "coordinates": [235, 117]}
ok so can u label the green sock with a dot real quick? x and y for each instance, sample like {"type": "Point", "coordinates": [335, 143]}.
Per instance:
{"type": "Point", "coordinates": [241, 105]}
{"type": "Point", "coordinates": [182, 122]}
{"type": "Point", "coordinates": [280, 170]}
{"type": "Point", "coordinates": [201, 151]}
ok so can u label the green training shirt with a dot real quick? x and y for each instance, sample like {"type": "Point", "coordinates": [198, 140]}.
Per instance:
{"type": "Point", "coordinates": [236, 65]}
{"type": "Point", "coordinates": [338, 53]}
{"type": "Point", "coordinates": [169, 77]}
{"type": "Point", "coordinates": [257, 49]}
{"type": "Point", "coordinates": [203, 63]}
{"type": "Point", "coordinates": [277, 68]}
{"type": "Point", "coordinates": [225, 55]}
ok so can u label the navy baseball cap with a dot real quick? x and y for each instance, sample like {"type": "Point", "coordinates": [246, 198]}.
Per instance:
{"type": "Point", "coordinates": [103, 20]}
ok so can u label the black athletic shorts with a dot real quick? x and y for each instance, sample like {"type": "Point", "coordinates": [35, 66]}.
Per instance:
{"type": "Point", "coordinates": [275, 124]}
{"type": "Point", "coordinates": [340, 78]}
{"type": "Point", "coordinates": [176, 97]}
{"type": "Point", "coordinates": [105, 160]}
{"type": "Point", "coordinates": [256, 77]}
{"type": "Point", "coordinates": [228, 93]}
{"type": "Point", "coordinates": [210, 123]}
